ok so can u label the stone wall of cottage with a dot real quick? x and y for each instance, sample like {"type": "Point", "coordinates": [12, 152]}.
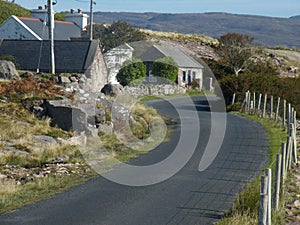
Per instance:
{"type": "Point", "coordinates": [97, 72]}
{"type": "Point", "coordinates": [114, 60]}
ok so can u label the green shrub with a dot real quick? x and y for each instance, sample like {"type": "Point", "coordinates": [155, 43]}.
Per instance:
{"type": "Point", "coordinates": [165, 67]}
{"type": "Point", "coordinates": [132, 70]}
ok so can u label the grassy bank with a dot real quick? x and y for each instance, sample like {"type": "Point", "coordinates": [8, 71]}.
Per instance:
{"type": "Point", "coordinates": [32, 169]}
{"type": "Point", "coordinates": [245, 208]}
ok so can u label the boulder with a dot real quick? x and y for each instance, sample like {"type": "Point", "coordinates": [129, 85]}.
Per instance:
{"type": "Point", "coordinates": [66, 116]}
{"type": "Point", "coordinates": [8, 70]}
{"type": "Point", "coordinates": [112, 89]}
{"type": "Point", "coordinates": [64, 80]}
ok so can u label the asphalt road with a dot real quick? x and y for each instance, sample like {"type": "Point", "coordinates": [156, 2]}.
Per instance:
{"type": "Point", "coordinates": [189, 197]}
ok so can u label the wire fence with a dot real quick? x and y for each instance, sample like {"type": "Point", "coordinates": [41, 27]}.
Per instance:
{"type": "Point", "coordinates": [283, 113]}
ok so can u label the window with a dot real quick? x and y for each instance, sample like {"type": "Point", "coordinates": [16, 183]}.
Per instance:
{"type": "Point", "coordinates": [194, 75]}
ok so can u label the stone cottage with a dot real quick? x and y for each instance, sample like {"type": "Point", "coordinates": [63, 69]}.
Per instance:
{"type": "Point", "coordinates": [188, 69]}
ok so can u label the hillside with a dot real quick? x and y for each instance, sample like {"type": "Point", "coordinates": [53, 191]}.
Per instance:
{"type": "Point", "coordinates": [7, 9]}
{"type": "Point", "coordinates": [268, 31]}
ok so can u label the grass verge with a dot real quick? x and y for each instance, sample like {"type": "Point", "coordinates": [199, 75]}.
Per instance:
{"type": "Point", "coordinates": [188, 93]}
{"type": "Point", "coordinates": [245, 208]}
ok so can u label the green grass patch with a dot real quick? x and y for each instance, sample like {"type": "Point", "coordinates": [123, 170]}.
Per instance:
{"type": "Point", "coordinates": [155, 97]}
{"type": "Point", "coordinates": [13, 196]}
{"type": "Point", "coordinates": [245, 207]}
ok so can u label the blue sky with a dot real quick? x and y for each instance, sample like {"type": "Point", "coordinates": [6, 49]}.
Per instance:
{"type": "Point", "coordinates": [277, 8]}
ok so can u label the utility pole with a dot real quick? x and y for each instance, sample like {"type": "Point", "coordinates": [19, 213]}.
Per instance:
{"type": "Point", "coordinates": [51, 35]}
{"type": "Point", "coordinates": [91, 19]}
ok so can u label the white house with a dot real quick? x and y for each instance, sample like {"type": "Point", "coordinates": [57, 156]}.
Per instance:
{"type": "Point", "coordinates": [114, 60]}
{"type": "Point", "coordinates": [36, 27]}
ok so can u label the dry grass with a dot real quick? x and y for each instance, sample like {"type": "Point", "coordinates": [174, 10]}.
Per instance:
{"type": "Point", "coordinates": [198, 38]}
{"type": "Point", "coordinates": [8, 191]}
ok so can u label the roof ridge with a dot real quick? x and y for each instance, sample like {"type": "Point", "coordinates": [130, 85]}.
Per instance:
{"type": "Point", "coordinates": [28, 18]}
{"type": "Point", "coordinates": [63, 22]}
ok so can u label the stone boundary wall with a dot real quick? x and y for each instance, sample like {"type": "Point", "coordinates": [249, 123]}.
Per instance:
{"type": "Point", "coordinates": [151, 89]}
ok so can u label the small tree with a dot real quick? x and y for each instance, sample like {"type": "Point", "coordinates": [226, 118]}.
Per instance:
{"type": "Point", "coordinates": [131, 71]}
{"type": "Point", "coordinates": [235, 51]}
{"type": "Point", "coordinates": [165, 67]}
{"type": "Point", "coordinates": [116, 34]}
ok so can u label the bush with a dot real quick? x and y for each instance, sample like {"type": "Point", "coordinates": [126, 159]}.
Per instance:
{"type": "Point", "coordinates": [132, 70]}
{"type": "Point", "coordinates": [285, 88]}
{"type": "Point", "coordinates": [166, 68]}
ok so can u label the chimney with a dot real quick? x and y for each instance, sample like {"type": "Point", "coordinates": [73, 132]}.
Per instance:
{"type": "Point", "coordinates": [79, 18]}
{"type": "Point", "coordinates": [40, 13]}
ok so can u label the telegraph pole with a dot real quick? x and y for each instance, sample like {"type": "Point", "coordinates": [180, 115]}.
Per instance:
{"type": "Point", "coordinates": [51, 35]}
{"type": "Point", "coordinates": [91, 19]}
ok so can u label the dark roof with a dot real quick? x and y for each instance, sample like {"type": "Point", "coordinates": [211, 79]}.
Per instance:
{"type": "Point", "coordinates": [159, 51]}
{"type": "Point", "coordinates": [70, 56]}
{"type": "Point", "coordinates": [62, 30]}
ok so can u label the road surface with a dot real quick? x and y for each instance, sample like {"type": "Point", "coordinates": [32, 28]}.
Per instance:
{"type": "Point", "coordinates": [189, 197]}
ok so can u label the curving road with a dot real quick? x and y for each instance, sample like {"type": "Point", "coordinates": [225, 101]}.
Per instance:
{"type": "Point", "coordinates": [190, 197]}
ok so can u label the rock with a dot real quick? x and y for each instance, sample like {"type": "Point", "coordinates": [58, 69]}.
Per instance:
{"type": "Point", "coordinates": [44, 140]}
{"type": "Point", "coordinates": [76, 140]}
{"type": "Point", "coordinates": [106, 128]}
{"type": "Point", "coordinates": [73, 79]}
{"type": "Point", "coordinates": [36, 106]}
{"type": "Point", "coordinates": [62, 159]}
{"type": "Point", "coordinates": [64, 80]}
{"type": "Point", "coordinates": [66, 116]}
{"type": "Point", "coordinates": [99, 115]}
{"type": "Point", "coordinates": [8, 70]}
{"type": "Point", "coordinates": [112, 89]}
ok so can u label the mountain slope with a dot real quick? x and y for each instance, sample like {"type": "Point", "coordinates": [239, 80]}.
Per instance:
{"type": "Point", "coordinates": [268, 31]}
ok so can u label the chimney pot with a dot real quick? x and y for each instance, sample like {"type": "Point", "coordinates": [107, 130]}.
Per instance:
{"type": "Point", "coordinates": [80, 11]}
{"type": "Point", "coordinates": [72, 11]}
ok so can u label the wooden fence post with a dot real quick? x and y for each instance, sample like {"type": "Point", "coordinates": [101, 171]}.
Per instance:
{"type": "Point", "coordinates": [264, 106]}
{"type": "Point", "coordinates": [254, 101]}
{"type": "Point", "coordinates": [277, 110]}
{"type": "Point", "coordinates": [283, 167]}
{"type": "Point", "coordinates": [233, 99]}
{"type": "Point", "coordinates": [284, 114]}
{"type": "Point", "coordinates": [259, 102]}
{"type": "Point", "coordinates": [271, 107]}
{"type": "Point", "coordinates": [289, 115]}
{"type": "Point", "coordinates": [277, 182]}
{"type": "Point", "coordinates": [269, 175]}
{"type": "Point", "coordinates": [294, 141]}
{"type": "Point", "coordinates": [263, 201]}
{"type": "Point", "coordinates": [289, 152]}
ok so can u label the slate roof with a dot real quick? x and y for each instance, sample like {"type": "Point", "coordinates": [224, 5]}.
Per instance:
{"type": "Point", "coordinates": [62, 30]}
{"type": "Point", "coordinates": [70, 56]}
{"type": "Point", "coordinates": [160, 51]}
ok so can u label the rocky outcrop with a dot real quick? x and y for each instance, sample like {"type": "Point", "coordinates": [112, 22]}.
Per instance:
{"type": "Point", "coordinates": [112, 89]}
{"type": "Point", "coordinates": [8, 70]}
